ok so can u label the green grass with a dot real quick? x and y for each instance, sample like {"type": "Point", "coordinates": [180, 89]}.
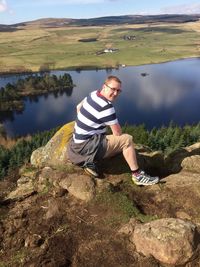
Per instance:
{"type": "Point", "coordinates": [17, 259]}
{"type": "Point", "coordinates": [118, 208]}
{"type": "Point", "coordinates": [32, 48]}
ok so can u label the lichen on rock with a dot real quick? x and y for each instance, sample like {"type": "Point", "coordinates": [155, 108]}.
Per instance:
{"type": "Point", "coordinates": [169, 240]}
{"type": "Point", "coordinates": [55, 151]}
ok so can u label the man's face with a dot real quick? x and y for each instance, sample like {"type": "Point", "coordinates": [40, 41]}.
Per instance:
{"type": "Point", "coordinates": [111, 90]}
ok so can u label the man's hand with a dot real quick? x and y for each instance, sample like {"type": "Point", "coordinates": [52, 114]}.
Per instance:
{"type": "Point", "coordinates": [116, 129]}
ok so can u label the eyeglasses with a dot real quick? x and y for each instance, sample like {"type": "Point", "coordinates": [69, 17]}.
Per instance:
{"type": "Point", "coordinates": [115, 90]}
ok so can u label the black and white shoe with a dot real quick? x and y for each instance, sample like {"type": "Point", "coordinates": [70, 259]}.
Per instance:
{"type": "Point", "coordinates": [91, 169]}
{"type": "Point", "coordinates": [141, 178]}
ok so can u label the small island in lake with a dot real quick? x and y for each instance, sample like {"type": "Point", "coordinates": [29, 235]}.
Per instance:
{"type": "Point", "coordinates": [11, 95]}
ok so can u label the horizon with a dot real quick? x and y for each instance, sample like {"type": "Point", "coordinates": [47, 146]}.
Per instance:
{"type": "Point", "coordinates": [57, 18]}
{"type": "Point", "coordinates": [18, 11]}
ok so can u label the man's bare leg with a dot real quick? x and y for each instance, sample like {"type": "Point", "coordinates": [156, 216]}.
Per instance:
{"type": "Point", "coordinates": [130, 157]}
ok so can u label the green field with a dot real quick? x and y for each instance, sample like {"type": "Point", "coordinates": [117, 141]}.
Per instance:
{"type": "Point", "coordinates": [34, 48]}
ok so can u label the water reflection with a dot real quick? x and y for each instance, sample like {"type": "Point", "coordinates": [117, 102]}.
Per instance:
{"type": "Point", "coordinates": [156, 91]}
{"type": "Point", "coordinates": [161, 96]}
{"type": "Point", "coordinates": [6, 115]}
{"type": "Point", "coordinates": [170, 91]}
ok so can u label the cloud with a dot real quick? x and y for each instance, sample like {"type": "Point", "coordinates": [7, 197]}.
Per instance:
{"type": "Point", "coordinates": [183, 9]}
{"type": "Point", "coordinates": [3, 6]}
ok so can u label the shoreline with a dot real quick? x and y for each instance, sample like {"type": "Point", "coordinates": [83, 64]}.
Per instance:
{"type": "Point", "coordinates": [182, 61]}
{"type": "Point", "coordinates": [85, 68]}
{"type": "Point", "coordinates": [18, 105]}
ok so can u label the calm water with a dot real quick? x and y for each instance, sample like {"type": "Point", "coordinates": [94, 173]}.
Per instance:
{"type": "Point", "coordinates": [167, 91]}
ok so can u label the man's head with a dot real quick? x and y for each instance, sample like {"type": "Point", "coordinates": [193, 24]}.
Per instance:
{"type": "Point", "coordinates": [111, 88]}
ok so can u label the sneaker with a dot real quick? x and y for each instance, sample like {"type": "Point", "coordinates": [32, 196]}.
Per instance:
{"type": "Point", "coordinates": [144, 179]}
{"type": "Point", "coordinates": [91, 169]}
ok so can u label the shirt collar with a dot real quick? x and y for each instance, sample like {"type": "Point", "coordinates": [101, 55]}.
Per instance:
{"type": "Point", "coordinates": [103, 97]}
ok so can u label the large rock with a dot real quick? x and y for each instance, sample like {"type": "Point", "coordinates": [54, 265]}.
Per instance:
{"type": "Point", "coordinates": [183, 159]}
{"type": "Point", "coordinates": [22, 191]}
{"type": "Point", "coordinates": [182, 192]}
{"type": "Point", "coordinates": [56, 182]}
{"type": "Point", "coordinates": [81, 186]}
{"type": "Point", "coordinates": [55, 151]}
{"type": "Point", "coordinates": [25, 184]}
{"type": "Point", "coordinates": [171, 241]}
{"type": "Point", "coordinates": [191, 163]}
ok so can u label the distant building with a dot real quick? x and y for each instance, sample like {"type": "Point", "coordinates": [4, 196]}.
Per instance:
{"type": "Point", "coordinates": [107, 50]}
{"type": "Point", "coordinates": [129, 37]}
{"type": "Point", "coordinates": [110, 50]}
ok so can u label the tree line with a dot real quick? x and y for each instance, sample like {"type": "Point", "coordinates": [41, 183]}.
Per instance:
{"type": "Point", "coordinates": [33, 84]}
{"type": "Point", "coordinates": [166, 139]}
{"type": "Point", "coordinates": [20, 153]}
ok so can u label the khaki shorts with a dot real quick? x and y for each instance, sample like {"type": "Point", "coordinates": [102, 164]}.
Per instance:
{"type": "Point", "coordinates": [116, 144]}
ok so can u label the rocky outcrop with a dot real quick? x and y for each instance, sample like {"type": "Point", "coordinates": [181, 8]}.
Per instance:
{"type": "Point", "coordinates": [171, 241]}
{"type": "Point", "coordinates": [25, 184]}
{"type": "Point", "coordinates": [187, 158]}
{"type": "Point", "coordinates": [48, 159]}
{"type": "Point", "coordinates": [81, 187]}
{"type": "Point", "coordinates": [55, 151]}
{"type": "Point", "coordinates": [191, 163]}
{"type": "Point", "coordinates": [57, 182]}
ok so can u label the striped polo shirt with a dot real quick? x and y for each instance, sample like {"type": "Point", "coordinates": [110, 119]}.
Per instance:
{"type": "Point", "coordinates": [95, 114]}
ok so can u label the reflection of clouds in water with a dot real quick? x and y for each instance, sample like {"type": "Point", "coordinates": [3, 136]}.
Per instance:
{"type": "Point", "coordinates": [50, 107]}
{"type": "Point", "coordinates": [86, 83]}
{"type": "Point", "coordinates": [169, 91]}
{"type": "Point", "coordinates": [155, 91]}
{"type": "Point", "coordinates": [159, 91]}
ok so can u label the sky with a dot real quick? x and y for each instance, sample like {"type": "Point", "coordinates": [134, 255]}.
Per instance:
{"type": "Point", "coordinates": [15, 11]}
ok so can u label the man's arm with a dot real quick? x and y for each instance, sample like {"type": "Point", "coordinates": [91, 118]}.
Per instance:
{"type": "Point", "coordinates": [78, 107]}
{"type": "Point", "coordinates": [116, 129]}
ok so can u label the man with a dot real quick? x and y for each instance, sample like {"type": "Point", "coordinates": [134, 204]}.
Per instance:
{"type": "Point", "coordinates": [90, 143]}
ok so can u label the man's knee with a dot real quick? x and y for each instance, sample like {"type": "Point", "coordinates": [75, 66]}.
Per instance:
{"type": "Point", "coordinates": [128, 140]}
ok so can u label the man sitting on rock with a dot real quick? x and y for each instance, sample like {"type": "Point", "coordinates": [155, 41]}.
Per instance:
{"type": "Point", "coordinates": [90, 143]}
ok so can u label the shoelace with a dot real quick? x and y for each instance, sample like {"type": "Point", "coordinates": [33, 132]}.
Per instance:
{"type": "Point", "coordinates": [142, 174]}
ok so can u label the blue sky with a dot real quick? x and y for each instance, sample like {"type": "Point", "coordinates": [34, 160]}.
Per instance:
{"type": "Point", "coordinates": [14, 11]}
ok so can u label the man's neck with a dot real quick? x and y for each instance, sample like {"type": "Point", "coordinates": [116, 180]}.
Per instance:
{"type": "Point", "coordinates": [100, 94]}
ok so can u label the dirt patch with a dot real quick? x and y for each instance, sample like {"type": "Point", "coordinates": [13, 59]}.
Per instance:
{"type": "Point", "coordinates": [48, 230]}
{"type": "Point", "coordinates": [79, 234]}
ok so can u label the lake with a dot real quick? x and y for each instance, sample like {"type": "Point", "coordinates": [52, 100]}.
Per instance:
{"type": "Point", "coordinates": [153, 94]}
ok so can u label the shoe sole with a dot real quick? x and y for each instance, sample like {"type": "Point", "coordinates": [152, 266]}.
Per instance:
{"type": "Point", "coordinates": [91, 174]}
{"type": "Point", "coordinates": [138, 183]}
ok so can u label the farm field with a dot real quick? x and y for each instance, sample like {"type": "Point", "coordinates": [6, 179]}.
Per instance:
{"type": "Point", "coordinates": [37, 48]}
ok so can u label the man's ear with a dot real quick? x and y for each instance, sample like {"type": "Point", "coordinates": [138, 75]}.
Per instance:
{"type": "Point", "coordinates": [103, 87]}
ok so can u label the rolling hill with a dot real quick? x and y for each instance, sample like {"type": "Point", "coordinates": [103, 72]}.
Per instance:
{"type": "Point", "coordinates": [100, 21]}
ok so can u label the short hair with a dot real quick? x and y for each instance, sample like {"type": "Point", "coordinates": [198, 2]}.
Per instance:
{"type": "Point", "coordinates": [114, 78]}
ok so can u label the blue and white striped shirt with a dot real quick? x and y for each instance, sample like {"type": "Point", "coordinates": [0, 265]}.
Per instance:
{"type": "Point", "coordinates": [95, 114]}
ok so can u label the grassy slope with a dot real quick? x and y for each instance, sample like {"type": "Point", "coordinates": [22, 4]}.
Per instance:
{"type": "Point", "coordinates": [32, 47]}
